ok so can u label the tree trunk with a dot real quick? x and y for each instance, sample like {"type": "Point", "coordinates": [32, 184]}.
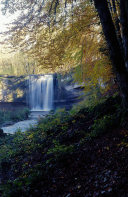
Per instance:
{"type": "Point", "coordinates": [114, 6]}
{"type": "Point", "coordinates": [124, 27]}
{"type": "Point", "coordinates": [110, 5]}
{"type": "Point", "coordinates": [114, 48]}
{"type": "Point", "coordinates": [117, 24]}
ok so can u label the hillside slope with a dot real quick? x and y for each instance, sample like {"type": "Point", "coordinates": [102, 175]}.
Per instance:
{"type": "Point", "coordinates": [70, 154]}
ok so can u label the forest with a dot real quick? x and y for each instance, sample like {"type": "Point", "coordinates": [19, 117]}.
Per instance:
{"type": "Point", "coordinates": [64, 98]}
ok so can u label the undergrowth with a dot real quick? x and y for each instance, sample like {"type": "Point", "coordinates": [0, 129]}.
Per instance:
{"type": "Point", "coordinates": [30, 157]}
{"type": "Point", "coordinates": [7, 117]}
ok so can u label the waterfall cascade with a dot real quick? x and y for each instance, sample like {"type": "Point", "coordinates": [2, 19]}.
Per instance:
{"type": "Point", "coordinates": [41, 92]}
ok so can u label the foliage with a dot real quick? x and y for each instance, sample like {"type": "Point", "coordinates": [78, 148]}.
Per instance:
{"type": "Point", "coordinates": [55, 47]}
{"type": "Point", "coordinates": [10, 116]}
{"type": "Point", "coordinates": [17, 64]}
{"type": "Point", "coordinates": [103, 125]}
{"type": "Point", "coordinates": [60, 150]}
{"type": "Point", "coordinates": [32, 155]}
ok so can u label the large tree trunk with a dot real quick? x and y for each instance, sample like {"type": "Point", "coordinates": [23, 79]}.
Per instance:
{"type": "Point", "coordinates": [114, 48]}
{"type": "Point", "coordinates": [124, 27]}
{"type": "Point", "coordinates": [117, 24]}
{"type": "Point", "coordinates": [114, 6]}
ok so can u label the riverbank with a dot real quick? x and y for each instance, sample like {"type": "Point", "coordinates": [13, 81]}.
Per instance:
{"type": "Point", "coordinates": [34, 117]}
{"type": "Point", "coordinates": [69, 154]}
{"type": "Point", "coordinates": [10, 117]}
{"type": "Point", "coordinates": [21, 125]}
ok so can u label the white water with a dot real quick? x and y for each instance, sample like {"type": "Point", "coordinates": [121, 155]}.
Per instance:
{"type": "Point", "coordinates": [25, 124]}
{"type": "Point", "coordinates": [22, 126]}
{"type": "Point", "coordinates": [41, 92]}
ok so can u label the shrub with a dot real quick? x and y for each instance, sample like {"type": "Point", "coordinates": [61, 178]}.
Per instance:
{"type": "Point", "coordinates": [104, 124]}
{"type": "Point", "coordinates": [10, 116]}
{"type": "Point", "coordinates": [59, 150]}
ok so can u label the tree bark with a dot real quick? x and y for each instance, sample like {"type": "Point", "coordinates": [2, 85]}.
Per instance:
{"type": "Point", "coordinates": [117, 24]}
{"type": "Point", "coordinates": [114, 48]}
{"type": "Point", "coordinates": [114, 6]}
{"type": "Point", "coordinates": [110, 5]}
{"type": "Point", "coordinates": [124, 27]}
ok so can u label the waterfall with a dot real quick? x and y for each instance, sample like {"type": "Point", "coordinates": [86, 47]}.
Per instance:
{"type": "Point", "coordinates": [41, 92]}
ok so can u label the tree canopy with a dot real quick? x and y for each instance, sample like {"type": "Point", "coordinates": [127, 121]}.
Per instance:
{"type": "Point", "coordinates": [66, 35]}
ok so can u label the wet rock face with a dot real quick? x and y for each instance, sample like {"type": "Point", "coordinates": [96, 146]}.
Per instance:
{"type": "Point", "coordinates": [66, 93]}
